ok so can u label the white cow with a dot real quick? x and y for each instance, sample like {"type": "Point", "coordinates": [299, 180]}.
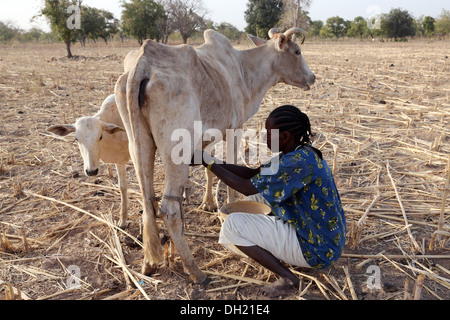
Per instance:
{"type": "Point", "coordinates": [169, 88]}
{"type": "Point", "coordinates": [102, 137]}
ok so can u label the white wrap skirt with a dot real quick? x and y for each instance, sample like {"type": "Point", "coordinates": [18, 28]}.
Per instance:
{"type": "Point", "coordinates": [268, 232]}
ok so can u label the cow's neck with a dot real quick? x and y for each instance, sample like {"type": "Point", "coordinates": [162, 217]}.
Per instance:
{"type": "Point", "coordinates": [259, 76]}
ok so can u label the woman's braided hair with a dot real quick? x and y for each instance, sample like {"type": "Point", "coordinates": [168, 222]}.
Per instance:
{"type": "Point", "coordinates": [291, 119]}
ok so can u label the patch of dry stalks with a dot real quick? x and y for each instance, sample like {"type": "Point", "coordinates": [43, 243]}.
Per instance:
{"type": "Point", "coordinates": [381, 115]}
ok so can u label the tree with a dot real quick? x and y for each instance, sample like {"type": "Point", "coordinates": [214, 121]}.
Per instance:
{"type": "Point", "coordinates": [139, 19]}
{"type": "Point", "coordinates": [399, 24]}
{"type": "Point", "coordinates": [336, 26]}
{"type": "Point", "coordinates": [384, 28]}
{"type": "Point", "coordinates": [298, 10]}
{"type": "Point", "coordinates": [262, 15]}
{"type": "Point", "coordinates": [315, 27]}
{"type": "Point", "coordinates": [428, 26]}
{"type": "Point", "coordinates": [228, 30]}
{"type": "Point", "coordinates": [443, 23]}
{"type": "Point", "coordinates": [33, 34]}
{"type": "Point", "coordinates": [91, 24]}
{"type": "Point", "coordinates": [8, 31]}
{"type": "Point", "coordinates": [324, 32]}
{"type": "Point", "coordinates": [294, 14]}
{"type": "Point", "coordinates": [104, 25]}
{"type": "Point", "coordinates": [418, 25]}
{"type": "Point", "coordinates": [187, 16]}
{"type": "Point", "coordinates": [110, 25]}
{"type": "Point", "coordinates": [358, 28]}
{"type": "Point", "coordinates": [165, 22]}
{"type": "Point", "coordinates": [55, 11]}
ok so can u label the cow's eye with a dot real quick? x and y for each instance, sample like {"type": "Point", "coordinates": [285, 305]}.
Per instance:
{"type": "Point", "coordinates": [298, 52]}
{"type": "Point", "coordinates": [101, 137]}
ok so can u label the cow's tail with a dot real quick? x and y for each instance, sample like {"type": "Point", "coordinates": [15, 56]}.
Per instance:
{"type": "Point", "coordinates": [142, 147]}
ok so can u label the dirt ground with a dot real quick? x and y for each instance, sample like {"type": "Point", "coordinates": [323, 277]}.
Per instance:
{"type": "Point", "coordinates": [381, 115]}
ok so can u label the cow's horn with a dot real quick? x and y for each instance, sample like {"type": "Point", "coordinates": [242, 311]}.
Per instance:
{"type": "Point", "coordinates": [273, 32]}
{"type": "Point", "coordinates": [291, 31]}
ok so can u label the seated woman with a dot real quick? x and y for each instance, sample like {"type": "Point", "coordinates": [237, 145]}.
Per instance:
{"type": "Point", "coordinates": [308, 225]}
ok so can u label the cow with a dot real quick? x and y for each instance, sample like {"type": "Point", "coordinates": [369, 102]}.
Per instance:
{"type": "Point", "coordinates": [102, 137]}
{"type": "Point", "coordinates": [172, 87]}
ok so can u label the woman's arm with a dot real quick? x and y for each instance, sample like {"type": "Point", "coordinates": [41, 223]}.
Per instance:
{"type": "Point", "coordinates": [236, 177]}
{"type": "Point", "coordinates": [240, 171]}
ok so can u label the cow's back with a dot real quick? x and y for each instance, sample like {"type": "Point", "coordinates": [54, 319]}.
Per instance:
{"type": "Point", "coordinates": [199, 82]}
{"type": "Point", "coordinates": [219, 54]}
{"type": "Point", "coordinates": [109, 113]}
{"type": "Point", "coordinates": [167, 58]}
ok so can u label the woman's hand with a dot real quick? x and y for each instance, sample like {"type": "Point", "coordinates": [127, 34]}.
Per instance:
{"type": "Point", "coordinates": [197, 158]}
{"type": "Point", "coordinates": [202, 158]}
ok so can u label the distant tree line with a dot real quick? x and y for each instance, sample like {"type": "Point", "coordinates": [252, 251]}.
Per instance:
{"type": "Point", "coordinates": [141, 19]}
{"type": "Point", "coordinates": [10, 32]}
{"type": "Point", "coordinates": [398, 24]}
{"type": "Point", "coordinates": [159, 19]}
{"type": "Point", "coordinates": [261, 15]}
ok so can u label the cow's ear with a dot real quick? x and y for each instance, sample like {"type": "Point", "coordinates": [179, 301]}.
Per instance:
{"type": "Point", "coordinates": [62, 130]}
{"type": "Point", "coordinates": [257, 41]}
{"type": "Point", "coordinates": [111, 128]}
{"type": "Point", "coordinates": [282, 42]}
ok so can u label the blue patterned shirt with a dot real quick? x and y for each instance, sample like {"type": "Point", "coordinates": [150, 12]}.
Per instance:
{"type": "Point", "coordinates": [303, 193]}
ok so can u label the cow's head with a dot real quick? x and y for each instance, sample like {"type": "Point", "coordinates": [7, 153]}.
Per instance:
{"type": "Point", "coordinates": [290, 63]}
{"type": "Point", "coordinates": [89, 133]}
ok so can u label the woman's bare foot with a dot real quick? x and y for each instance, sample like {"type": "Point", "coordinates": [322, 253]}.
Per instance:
{"type": "Point", "coordinates": [281, 287]}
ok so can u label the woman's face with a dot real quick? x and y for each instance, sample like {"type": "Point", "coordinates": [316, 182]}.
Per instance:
{"type": "Point", "coordinates": [283, 139]}
{"type": "Point", "coordinates": [269, 127]}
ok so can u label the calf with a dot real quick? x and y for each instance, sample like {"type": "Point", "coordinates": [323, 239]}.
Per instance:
{"type": "Point", "coordinates": [101, 137]}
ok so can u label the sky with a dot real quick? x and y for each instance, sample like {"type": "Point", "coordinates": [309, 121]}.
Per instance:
{"type": "Point", "coordinates": [21, 11]}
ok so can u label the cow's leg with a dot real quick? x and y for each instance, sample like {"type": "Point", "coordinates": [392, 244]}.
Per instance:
{"type": "Point", "coordinates": [231, 193]}
{"type": "Point", "coordinates": [208, 200]}
{"type": "Point", "coordinates": [123, 186]}
{"type": "Point", "coordinates": [142, 152]}
{"type": "Point", "coordinates": [153, 254]}
{"type": "Point", "coordinates": [171, 210]}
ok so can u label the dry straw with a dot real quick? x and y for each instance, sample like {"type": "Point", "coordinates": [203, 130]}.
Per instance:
{"type": "Point", "coordinates": [439, 231]}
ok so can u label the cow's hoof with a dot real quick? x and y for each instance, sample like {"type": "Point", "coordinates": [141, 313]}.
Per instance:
{"type": "Point", "coordinates": [148, 269]}
{"type": "Point", "coordinates": [208, 206]}
{"type": "Point", "coordinates": [204, 281]}
{"type": "Point", "coordinates": [122, 225]}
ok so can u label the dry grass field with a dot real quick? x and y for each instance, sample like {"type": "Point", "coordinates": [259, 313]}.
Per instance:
{"type": "Point", "coordinates": [381, 114]}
